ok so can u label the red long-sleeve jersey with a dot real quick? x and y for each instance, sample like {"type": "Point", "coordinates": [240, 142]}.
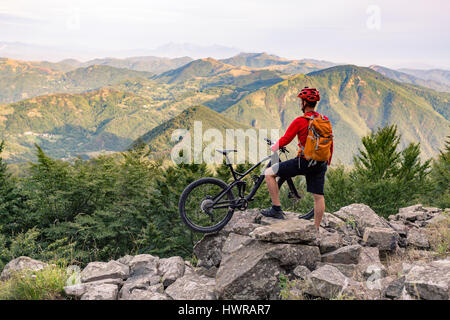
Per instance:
{"type": "Point", "coordinates": [299, 128]}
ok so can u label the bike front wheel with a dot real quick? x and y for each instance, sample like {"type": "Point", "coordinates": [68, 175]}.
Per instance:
{"type": "Point", "coordinates": [196, 205]}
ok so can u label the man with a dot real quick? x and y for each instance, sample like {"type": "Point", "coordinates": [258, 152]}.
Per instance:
{"type": "Point", "coordinates": [314, 172]}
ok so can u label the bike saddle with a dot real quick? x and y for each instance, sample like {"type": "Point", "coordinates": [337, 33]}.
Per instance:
{"type": "Point", "coordinates": [225, 152]}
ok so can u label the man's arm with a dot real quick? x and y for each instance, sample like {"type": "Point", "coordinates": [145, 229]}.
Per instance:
{"type": "Point", "coordinates": [290, 134]}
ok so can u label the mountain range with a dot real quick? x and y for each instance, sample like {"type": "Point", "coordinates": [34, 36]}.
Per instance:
{"type": "Point", "coordinates": [436, 79]}
{"type": "Point", "coordinates": [357, 100]}
{"type": "Point", "coordinates": [75, 109]}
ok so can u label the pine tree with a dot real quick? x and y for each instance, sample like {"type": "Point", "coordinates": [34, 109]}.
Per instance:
{"type": "Point", "coordinates": [385, 178]}
{"type": "Point", "coordinates": [440, 178]}
{"type": "Point", "coordinates": [13, 216]}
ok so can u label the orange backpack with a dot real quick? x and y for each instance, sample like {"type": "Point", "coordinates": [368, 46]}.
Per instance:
{"type": "Point", "coordinates": [319, 140]}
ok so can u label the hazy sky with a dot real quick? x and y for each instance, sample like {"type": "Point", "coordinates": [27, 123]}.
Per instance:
{"type": "Point", "coordinates": [387, 32]}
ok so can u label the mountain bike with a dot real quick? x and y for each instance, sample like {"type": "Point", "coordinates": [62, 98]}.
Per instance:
{"type": "Point", "coordinates": [207, 204]}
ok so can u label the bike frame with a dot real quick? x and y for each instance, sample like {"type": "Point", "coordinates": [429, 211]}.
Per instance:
{"type": "Point", "coordinates": [238, 180]}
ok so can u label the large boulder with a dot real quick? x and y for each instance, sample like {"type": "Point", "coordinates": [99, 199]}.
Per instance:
{"type": "Point", "coordinates": [348, 270]}
{"type": "Point", "coordinates": [21, 264]}
{"type": "Point", "coordinates": [139, 282]}
{"type": "Point", "coordinates": [344, 255]}
{"type": "Point", "coordinates": [330, 221]}
{"type": "Point", "coordinates": [394, 288]}
{"type": "Point", "coordinates": [101, 292]}
{"type": "Point", "coordinates": [385, 239]}
{"type": "Point", "coordinates": [144, 264]}
{"type": "Point", "coordinates": [429, 281]}
{"type": "Point", "coordinates": [252, 271]}
{"type": "Point", "coordinates": [95, 271]}
{"type": "Point", "coordinates": [301, 272]}
{"type": "Point", "coordinates": [287, 231]}
{"type": "Point", "coordinates": [171, 269]}
{"type": "Point", "coordinates": [141, 294]}
{"type": "Point", "coordinates": [329, 241]}
{"type": "Point", "coordinates": [327, 282]}
{"type": "Point", "coordinates": [78, 290]}
{"type": "Point", "coordinates": [192, 287]}
{"type": "Point", "coordinates": [235, 242]}
{"type": "Point", "coordinates": [363, 216]}
{"type": "Point", "coordinates": [242, 222]}
{"type": "Point", "coordinates": [265, 221]}
{"type": "Point", "coordinates": [369, 263]}
{"type": "Point", "coordinates": [418, 238]}
{"type": "Point", "coordinates": [412, 213]}
{"type": "Point", "coordinates": [209, 250]}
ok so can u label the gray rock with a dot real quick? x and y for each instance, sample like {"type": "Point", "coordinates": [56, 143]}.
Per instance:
{"type": "Point", "coordinates": [329, 241]}
{"type": "Point", "coordinates": [77, 290]}
{"type": "Point", "coordinates": [210, 273]}
{"type": "Point", "coordinates": [385, 239]}
{"type": "Point", "coordinates": [252, 271]}
{"type": "Point", "coordinates": [406, 267]}
{"type": "Point", "coordinates": [430, 281]}
{"type": "Point", "coordinates": [235, 242]}
{"type": "Point", "coordinates": [104, 270]}
{"type": "Point", "coordinates": [265, 221]}
{"type": "Point", "coordinates": [412, 213]}
{"type": "Point", "coordinates": [417, 238]}
{"type": "Point", "coordinates": [369, 263]}
{"type": "Point", "coordinates": [192, 287]}
{"type": "Point", "coordinates": [140, 281]}
{"type": "Point", "coordinates": [345, 255]}
{"type": "Point", "coordinates": [400, 228]}
{"type": "Point", "coordinates": [142, 294]}
{"type": "Point", "coordinates": [101, 292]}
{"type": "Point", "coordinates": [394, 288]}
{"type": "Point", "coordinates": [287, 231]}
{"type": "Point", "coordinates": [405, 295]}
{"type": "Point", "coordinates": [348, 270]}
{"type": "Point", "coordinates": [125, 260]}
{"type": "Point", "coordinates": [242, 222]}
{"type": "Point", "coordinates": [21, 264]}
{"type": "Point", "coordinates": [171, 268]}
{"type": "Point", "coordinates": [363, 216]}
{"type": "Point", "coordinates": [326, 282]}
{"type": "Point", "coordinates": [438, 218]}
{"type": "Point", "coordinates": [331, 221]}
{"type": "Point", "coordinates": [209, 250]}
{"type": "Point", "coordinates": [144, 264]}
{"type": "Point", "coordinates": [301, 272]}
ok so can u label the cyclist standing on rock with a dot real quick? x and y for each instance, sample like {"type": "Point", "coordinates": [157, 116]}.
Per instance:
{"type": "Point", "coordinates": [314, 134]}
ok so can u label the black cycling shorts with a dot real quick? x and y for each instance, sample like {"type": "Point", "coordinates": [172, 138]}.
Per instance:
{"type": "Point", "coordinates": [315, 174]}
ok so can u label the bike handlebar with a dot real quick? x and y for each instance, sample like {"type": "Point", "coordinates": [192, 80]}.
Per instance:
{"type": "Point", "coordinates": [270, 143]}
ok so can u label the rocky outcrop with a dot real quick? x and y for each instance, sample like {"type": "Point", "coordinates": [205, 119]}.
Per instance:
{"type": "Point", "coordinates": [192, 287]}
{"type": "Point", "coordinates": [252, 271]}
{"type": "Point", "coordinates": [287, 231]}
{"type": "Point", "coordinates": [247, 259]}
{"type": "Point", "coordinates": [21, 264]}
{"type": "Point", "coordinates": [95, 271]}
{"type": "Point", "coordinates": [385, 239]}
{"type": "Point", "coordinates": [344, 255]}
{"type": "Point", "coordinates": [362, 216]}
{"type": "Point", "coordinates": [430, 281]}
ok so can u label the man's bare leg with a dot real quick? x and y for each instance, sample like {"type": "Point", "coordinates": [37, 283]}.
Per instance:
{"type": "Point", "coordinates": [272, 185]}
{"type": "Point", "coordinates": [319, 209]}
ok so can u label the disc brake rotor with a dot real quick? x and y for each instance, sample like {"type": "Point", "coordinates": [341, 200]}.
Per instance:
{"type": "Point", "coordinates": [207, 206]}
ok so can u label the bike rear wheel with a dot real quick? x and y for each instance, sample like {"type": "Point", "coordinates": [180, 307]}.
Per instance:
{"type": "Point", "coordinates": [196, 208]}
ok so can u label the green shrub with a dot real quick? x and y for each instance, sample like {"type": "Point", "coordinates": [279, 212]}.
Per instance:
{"type": "Point", "coordinates": [45, 284]}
